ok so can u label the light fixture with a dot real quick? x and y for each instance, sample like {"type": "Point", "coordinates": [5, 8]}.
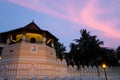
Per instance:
{"type": "Point", "coordinates": [104, 66]}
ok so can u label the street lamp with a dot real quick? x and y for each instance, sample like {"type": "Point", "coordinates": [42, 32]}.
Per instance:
{"type": "Point", "coordinates": [104, 67]}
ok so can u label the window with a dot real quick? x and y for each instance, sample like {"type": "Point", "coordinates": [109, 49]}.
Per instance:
{"type": "Point", "coordinates": [14, 37]}
{"type": "Point", "coordinates": [33, 40]}
{"type": "Point", "coordinates": [33, 48]}
{"type": "Point", "coordinates": [1, 50]}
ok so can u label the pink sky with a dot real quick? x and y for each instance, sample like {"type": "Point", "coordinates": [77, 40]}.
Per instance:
{"type": "Point", "coordinates": [101, 16]}
{"type": "Point", "coordinates": [85, 15]}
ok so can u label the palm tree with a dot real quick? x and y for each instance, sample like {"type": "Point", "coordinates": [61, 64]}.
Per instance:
{"type": "Point", "coordinates": [88, 48]}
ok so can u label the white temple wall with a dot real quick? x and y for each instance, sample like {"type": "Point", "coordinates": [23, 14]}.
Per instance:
{"type": "Point", "coordinates": [45, 70]}
{"type": "Point", "coordinates": [27, 60]}
{"type": "Point", "coordinates": [92, 71]}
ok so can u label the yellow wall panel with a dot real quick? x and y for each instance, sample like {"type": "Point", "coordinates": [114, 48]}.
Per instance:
{"type": "Point", "coordinates": [38, 37]}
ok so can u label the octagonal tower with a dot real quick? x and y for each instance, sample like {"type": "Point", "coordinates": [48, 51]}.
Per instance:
{"type": "Point", "coordinates": [29, 52]}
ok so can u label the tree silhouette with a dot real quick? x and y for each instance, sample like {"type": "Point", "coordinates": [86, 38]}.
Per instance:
{"type": "Point", "coordinates": [60, 50]}
{"type": "Point", "coordinates": [109, 56]}
{"type": "Point", "coordinates": [118, 52]}
{"type": "Point", "coordinates": [88, 48]}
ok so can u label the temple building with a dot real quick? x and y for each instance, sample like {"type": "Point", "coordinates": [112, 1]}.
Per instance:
{"type": "Point", "coordinates": [28, 52]}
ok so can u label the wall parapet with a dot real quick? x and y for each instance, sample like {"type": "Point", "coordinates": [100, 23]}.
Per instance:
{"type": "Point", "coordinates": [92, 71]}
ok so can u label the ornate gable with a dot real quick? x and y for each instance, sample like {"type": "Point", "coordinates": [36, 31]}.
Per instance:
{"type": "Point", "coordinates": [31, 30]}
{"type": "Point", "coordinates": [32, 26]}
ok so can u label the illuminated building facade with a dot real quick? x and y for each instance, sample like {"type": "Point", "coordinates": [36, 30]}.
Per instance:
{"type": "Point", "coordinates": [29, 52]}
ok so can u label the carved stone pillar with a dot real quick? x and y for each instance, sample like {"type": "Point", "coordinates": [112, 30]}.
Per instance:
{"type": "Point", "coordinates": [8, 40]}
{"type": "Point", "coordinates": [24, 38]}
{"type": "Point", "coordinates": [44, 40]}
{"type": "Point", "coordinates": [52, 43]}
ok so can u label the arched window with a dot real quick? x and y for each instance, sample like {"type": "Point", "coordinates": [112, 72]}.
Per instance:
{"type": "Point", "coordinates": [33, 40]}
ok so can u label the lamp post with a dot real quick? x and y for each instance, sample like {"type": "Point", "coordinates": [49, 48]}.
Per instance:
{"type": "Point", "coordinates": [104, 67]}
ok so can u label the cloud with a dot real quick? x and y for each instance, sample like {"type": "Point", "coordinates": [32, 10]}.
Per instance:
{"type": "Point", "coordinates": [89, 17]}
{"type": "Point", "coordinates": [86, 12]}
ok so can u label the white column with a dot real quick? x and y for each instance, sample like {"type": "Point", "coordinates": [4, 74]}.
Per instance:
{"type": "Point", "coordinates": [44, 40]}
{"type": "Point", "coordinates": [8, 40]}
{"type": "Point", "coordinates": [23, 38]}
{"type": "Point", "coordinates": [52, 44]}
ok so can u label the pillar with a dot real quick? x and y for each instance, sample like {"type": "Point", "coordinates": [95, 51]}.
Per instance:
{"type": "Point", "coordinates": [23, 37]}
{"type": "Point", "coordinates": [44, 40]}
{"type": "Point", "coordinates": [52, 44]}
{"type": "Point", "coordinates": [8, 40]}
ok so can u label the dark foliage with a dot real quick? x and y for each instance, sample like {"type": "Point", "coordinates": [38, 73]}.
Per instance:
{"type": "Point", "coordinates": [60, 50]}
{"type": "Point", "coordinates": [87, 50]}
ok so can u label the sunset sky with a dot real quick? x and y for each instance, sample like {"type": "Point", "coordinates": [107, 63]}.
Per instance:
{"type": "Point", "coordinates": [65, 18]}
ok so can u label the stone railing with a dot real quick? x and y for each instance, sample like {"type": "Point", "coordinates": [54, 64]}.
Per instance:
{"type": "Point", "coordinates": [93, 71]}
{"type": "Point", "coordinates": [58, 72]}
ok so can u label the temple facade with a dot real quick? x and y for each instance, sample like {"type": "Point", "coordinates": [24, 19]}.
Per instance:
{"type": "Point", "coordinates": [28, 53]}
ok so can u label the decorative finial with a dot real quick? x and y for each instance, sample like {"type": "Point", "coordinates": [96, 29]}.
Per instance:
{"type": "Point", "coordinates": [33, 21]}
